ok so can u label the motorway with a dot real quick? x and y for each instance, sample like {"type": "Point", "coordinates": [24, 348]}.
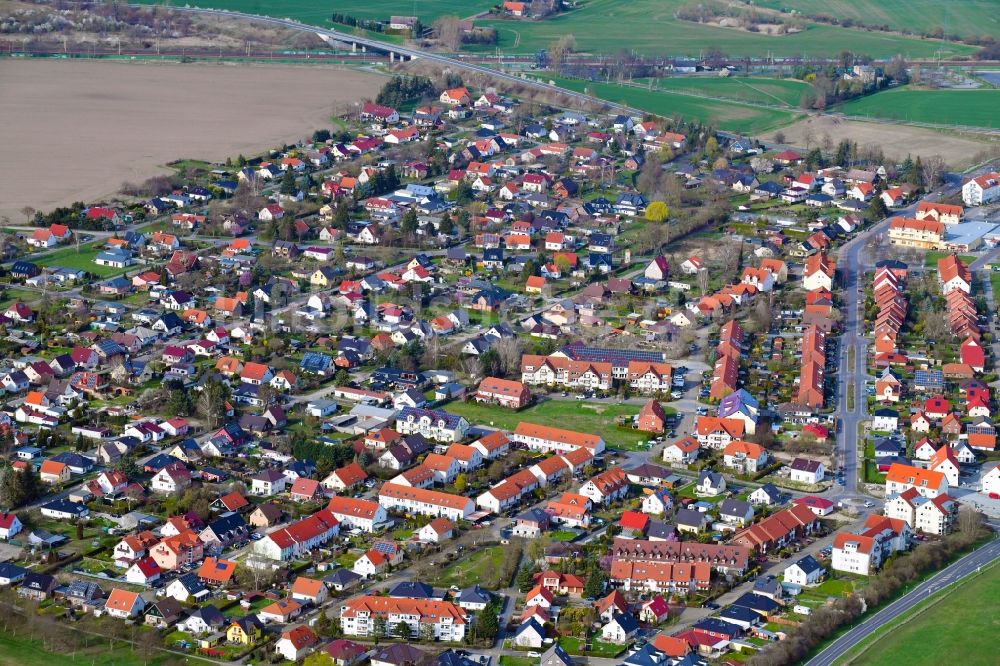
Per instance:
{"type": "Point", "coordinates": [953, 574]}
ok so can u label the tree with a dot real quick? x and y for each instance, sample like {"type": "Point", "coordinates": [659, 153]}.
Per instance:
{"type": "Point", "coordinates": [526, 577]}
{"type": "Point", "coordinates": [288, 181]}
{"type": "Point", "coordinates": [594, 587]}
{"type": "Point", "coordinates": [461, 482]}
{"type": "Point", "coordinates": [408, 225]}
{"type": "Point", "coordinates": [212, 402]}
{"type": "Point", "coordinates": [127, 465]}
{"type": "Point", "coordinates": [378, 628]}
{"type": "Point", "coordinates": [657, 211]}
{"type": "Point", "coordinates": [402, 629]}
{"type": "Point", "coordinates": [447, 227]}
{"type": "Point", "coordinates": [877, 210]}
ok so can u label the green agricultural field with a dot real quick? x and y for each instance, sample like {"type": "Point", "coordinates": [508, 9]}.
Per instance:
{"type": "Point", "coordinates": [732, 116]}
{"type": "Point", "coordinates": [970, 108]}
{"type": "Point", "coordinates": [319, 13]}
{"type": "Point", "coordinates": [962, 626]}
{"type": "Point", "coordinates": [82, 259]}
{"type": "Point", "coordinates": [610, 26]}
{"type": "Point", "coordinates": [649, 26]}
{"type": "Point", "coordinates": [965, 18]}
{"type": "Point", "coordinates": [753, 90]}
{"type": "Point", "coordinates": [586, 417]}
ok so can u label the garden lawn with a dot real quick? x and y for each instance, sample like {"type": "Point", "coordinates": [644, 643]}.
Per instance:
{"type": "Point", "coordinates": [480, 567]}
{"type": "Point", "coordinates": [573, 645]}
{"type": "Point", "coordinates": [961, 627]}
{"type": "Point", "coordinates": [507, 660]}
{"type": "Point", "coordinates": [592, 418]}
{"type": "Point", "coordinates": [969, 108]}
{"type": "Point", "coordinates": [727, 115]}
{"type": "Point", "coordinates": [931, 258]}
{"type": "Point", "coordinates": [70, 257]}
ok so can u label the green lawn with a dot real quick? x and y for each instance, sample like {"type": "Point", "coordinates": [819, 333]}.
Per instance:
{"type": "Point", "coordinates": [962, 627]}
{"type": "Point", "coordinates": [727, 115]}
{"type": "Point", "coordinates": [973, 108]}
{"type": "Point", "coordinates": [931, 258]}
{"type": "Point", "coordinates": [82, 259]}
{"type": "Point", "coordinates": [563, 535]}
{"type": "Point", "coordinates": [959, 17]}
{"type": "Point", "coordinates": [580, 416]}
{"type": "Point", "coordinates": [28, 296]}
{"type": "Point", "coordinates": [318, 13]}
{"type": "Point", "coordinates": [481, 567]}
{"type": "Point", "coordinates": [598, 648]}
{"type": "Point", "coordinates": [754, 90]}
{"type": "Point", "coordinates": [507, 660]}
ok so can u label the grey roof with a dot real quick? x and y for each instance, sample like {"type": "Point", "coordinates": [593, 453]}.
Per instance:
{"type": "Point", "coordinates": [413, 590]}
{"type": "Point", "coordinates": [689, 517]}
{"type": "Point", "coordinates": [734, 507]}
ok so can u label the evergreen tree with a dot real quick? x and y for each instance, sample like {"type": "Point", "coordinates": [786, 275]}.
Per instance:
{"type": "Point", "coordinates": [526, 578]}
{"type": "Point", "coordinates": [447, 226]}
{"type": "Point", "coordinates": [594, 587]}
{"type": "Point", "coordinates": [288, 182]}
{"type": "Point", "coordinates": [408, 225]}
{"type": "Point", "coordinates": [877, 210]}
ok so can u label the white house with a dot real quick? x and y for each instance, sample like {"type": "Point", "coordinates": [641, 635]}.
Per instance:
{"type": "Point", "coordinates": [991, 481]}
{"type": "Point", "coordinates": [10, 525]}
{"type": "Point", "coordinates": [806, 571]}
{"type": "Point", "coordinates": [981, 190]}
{"type": "Point", "coordinates": [807, 471]}
{"type": "Point", "coordinates": [657, 503]}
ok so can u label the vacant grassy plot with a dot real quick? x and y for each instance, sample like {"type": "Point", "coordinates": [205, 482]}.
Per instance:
{"type": "Point", "coordinates": [967, 108]}
{"type": "Point", "coordinates": [481, 567]}
{"type": "Point", "coordinates": [594, 418]}
{"type": "Point", "coordinates": [959, 17]}
{"type": "Point", "coordinates": [961, 624]}
{"type": "Point", "coordinates": [22, 651]}
{"type": "Point", "coordinates": [732, 116]}
{"type": "Point", "coordinates": [753, 90]}
{"type": "Point", "coordinates": [318, 13]}
{"type": "Point", "coordinates": [649, 26]}
{"type": "Point", "coordinates": [598, 648]}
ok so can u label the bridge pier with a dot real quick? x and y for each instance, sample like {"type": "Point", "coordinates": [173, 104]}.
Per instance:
{"type": "Point", "coordinates": [392, 56]}
{"type": "Point", "coordinates": [354, 47]}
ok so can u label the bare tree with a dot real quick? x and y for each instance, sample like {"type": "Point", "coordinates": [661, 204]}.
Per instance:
{"type": "Point", "coordinates": [933, 170]}
{"type": "Point", "coordinates": [449, 32]}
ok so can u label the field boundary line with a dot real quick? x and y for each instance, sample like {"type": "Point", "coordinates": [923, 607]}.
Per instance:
{"type": "Point", "coordinates": [763, 92]}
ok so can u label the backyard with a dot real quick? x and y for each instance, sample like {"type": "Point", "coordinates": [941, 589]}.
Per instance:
{"type": "Point", "coordinates": [81, 258]}
{"type": "Point", "coordinates": [580, 416]}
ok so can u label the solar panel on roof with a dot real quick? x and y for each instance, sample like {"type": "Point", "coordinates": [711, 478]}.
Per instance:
{"type": "Point", "coordinates": [582, 353]}
{"type": "Point", "coordinates": [384, 548]}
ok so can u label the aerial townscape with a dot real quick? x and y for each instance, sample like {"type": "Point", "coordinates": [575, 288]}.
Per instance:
{"type": "Point", "coordinates": [464, 335]}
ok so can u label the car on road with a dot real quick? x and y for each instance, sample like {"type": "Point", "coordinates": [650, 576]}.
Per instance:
{"type": "Point", "coordinates": [869, 504]}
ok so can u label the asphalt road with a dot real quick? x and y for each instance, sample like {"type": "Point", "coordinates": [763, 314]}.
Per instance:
{"type": "Point", "coordinates": [948, 576]}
